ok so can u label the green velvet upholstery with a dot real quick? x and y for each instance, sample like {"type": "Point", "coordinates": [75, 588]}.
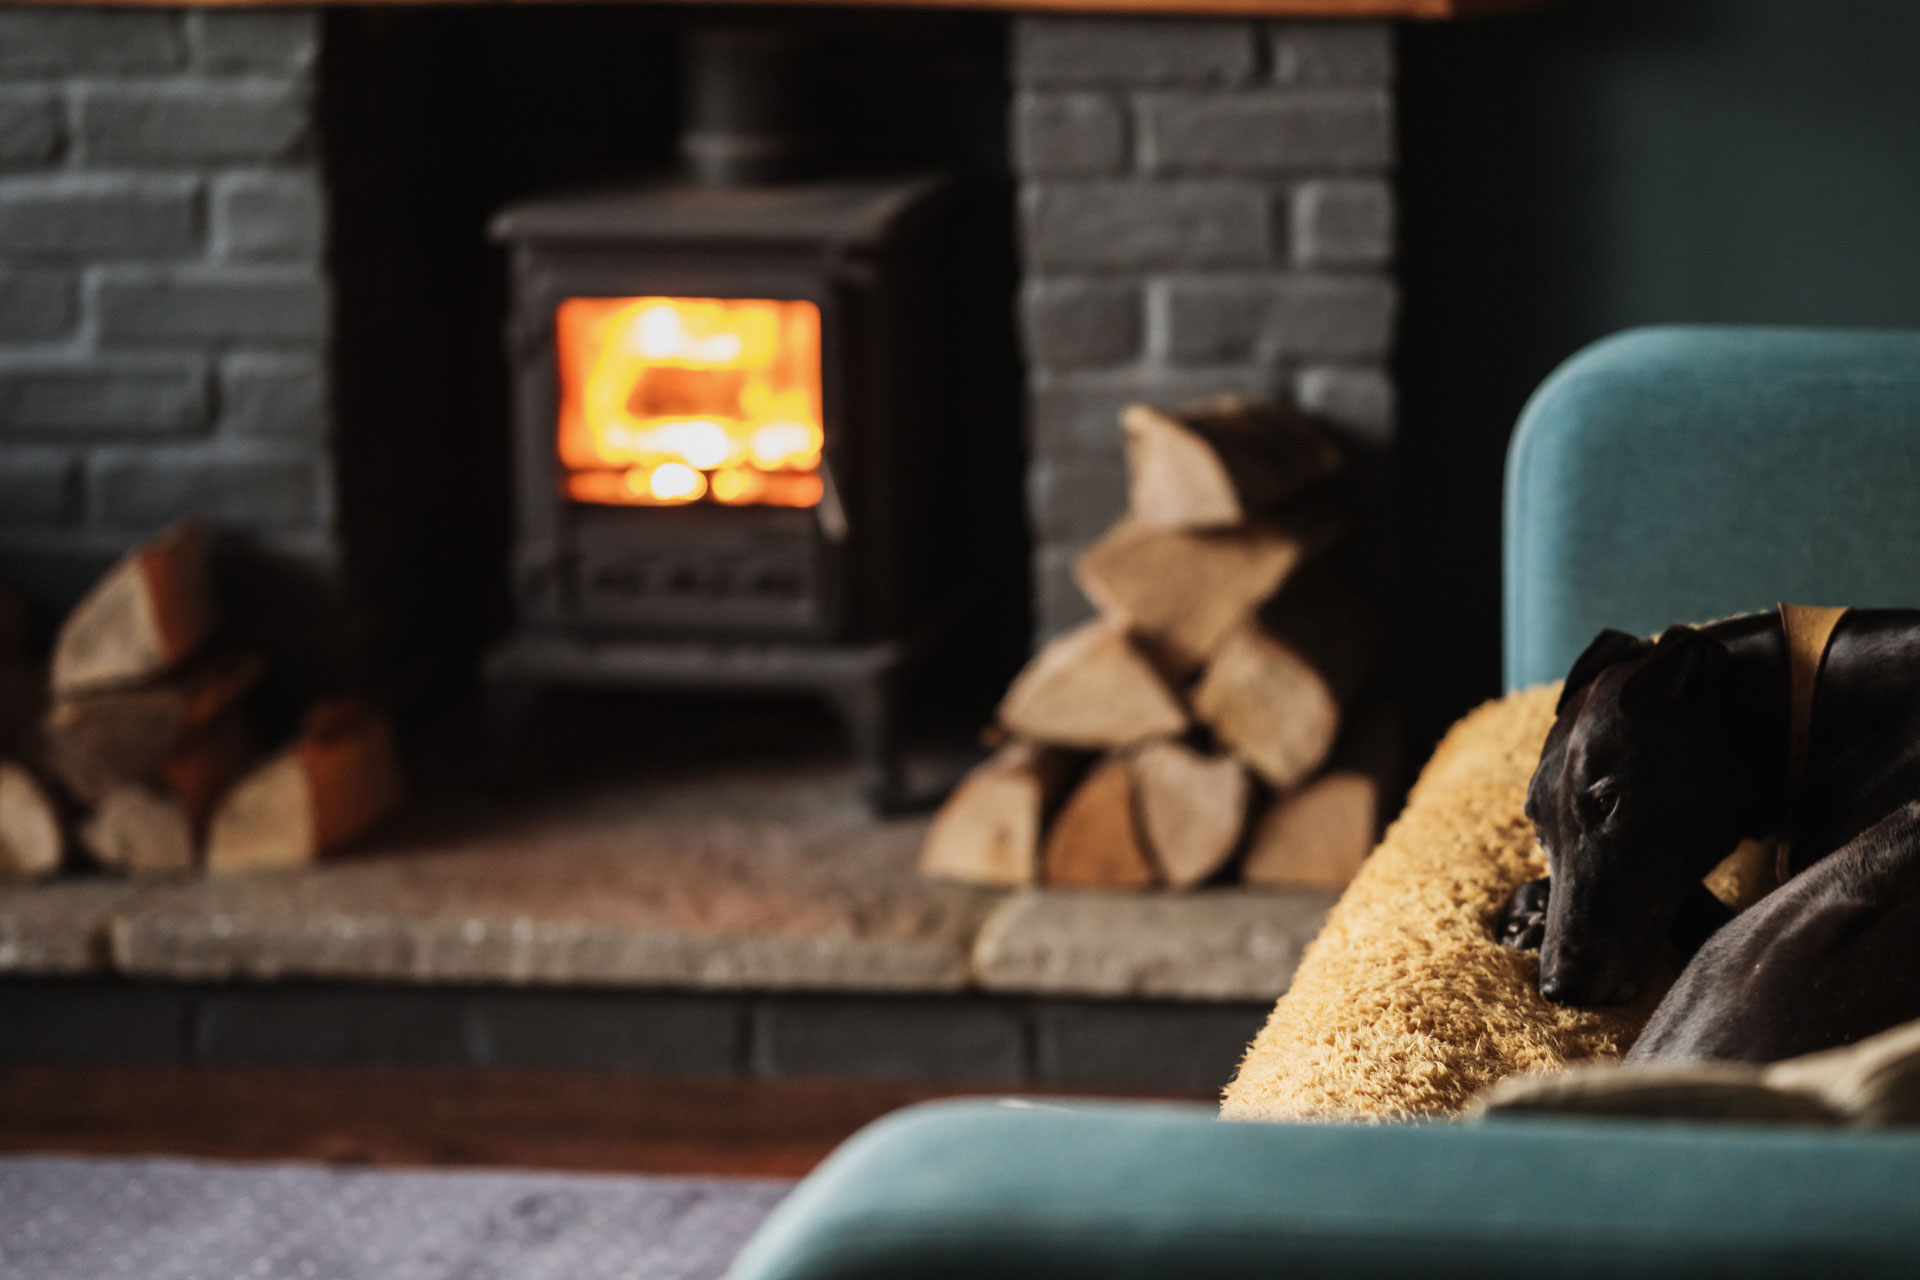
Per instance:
{"type": "Point", "coordinates": [1675, 474]}
{"type": "Point", "coordinates": [987, 1190]}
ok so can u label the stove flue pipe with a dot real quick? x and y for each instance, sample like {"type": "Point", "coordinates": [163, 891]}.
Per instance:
{"type": "Point", "coordinates": [747, 117]}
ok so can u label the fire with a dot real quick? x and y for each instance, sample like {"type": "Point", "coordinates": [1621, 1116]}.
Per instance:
{"type": "Point", "coordinates": [667, 401]}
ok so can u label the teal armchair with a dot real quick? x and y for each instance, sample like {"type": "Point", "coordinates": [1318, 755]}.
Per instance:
{"type": "Point", "coordinates": [1660, 475]}
{"type": "Point", "coordinates": [1684, 474]}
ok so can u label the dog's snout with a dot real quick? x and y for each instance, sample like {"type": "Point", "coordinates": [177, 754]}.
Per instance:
{"type": "Point", "coordinates": [1561, 988]}
{"type": "Point", "coordinates": [1563, 979]}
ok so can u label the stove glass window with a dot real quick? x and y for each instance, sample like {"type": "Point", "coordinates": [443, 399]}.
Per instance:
{"type": "Point", "coordinates": [670, 401]}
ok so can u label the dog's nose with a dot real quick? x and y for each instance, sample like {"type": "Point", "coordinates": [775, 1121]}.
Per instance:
{"type": "Point", "coordinates": [1560, 988]}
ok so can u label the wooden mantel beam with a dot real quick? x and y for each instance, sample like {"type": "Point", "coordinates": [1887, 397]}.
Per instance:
{"type": "Point", "coordinates": [1426, 10]}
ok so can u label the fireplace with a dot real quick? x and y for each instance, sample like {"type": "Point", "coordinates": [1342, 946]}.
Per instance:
{"type": "Point", "coordinates": [721, 398]}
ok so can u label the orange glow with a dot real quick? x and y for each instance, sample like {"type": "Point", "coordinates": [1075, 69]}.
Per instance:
{"type": "Point", "coordinates": [667, 401]}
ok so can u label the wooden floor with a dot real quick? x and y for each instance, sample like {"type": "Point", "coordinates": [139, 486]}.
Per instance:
{"type": "Point", "coordinates": [566, 1121]}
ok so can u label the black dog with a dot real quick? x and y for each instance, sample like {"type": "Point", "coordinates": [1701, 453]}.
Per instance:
{"type": "Point", "coordinates": [1828, 958]}
{"type": "Point", "coordinates": [1661, 758]}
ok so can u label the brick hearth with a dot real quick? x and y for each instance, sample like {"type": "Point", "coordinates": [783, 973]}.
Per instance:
{"type": "Point", "coordinates": [757, 923]}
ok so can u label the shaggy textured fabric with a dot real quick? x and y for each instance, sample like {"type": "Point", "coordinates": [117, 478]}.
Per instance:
{"type": "Point", "coordinates": [1405, 1005]}
{"type": "Point", "coordinates": [67, 1218]}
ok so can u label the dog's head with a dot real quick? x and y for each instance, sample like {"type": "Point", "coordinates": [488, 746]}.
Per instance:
{"type": "Point", "coordinates": [1633, 802]}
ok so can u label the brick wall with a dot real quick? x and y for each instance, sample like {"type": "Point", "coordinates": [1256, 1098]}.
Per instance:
{"type": "Point", "coordinates": [1205, 207]}
{"type": "Point", "coordinates": [164, 315]}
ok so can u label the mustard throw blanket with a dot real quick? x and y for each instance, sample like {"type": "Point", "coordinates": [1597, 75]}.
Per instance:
{"type": "Point", "coordinates": [1405, 1005]}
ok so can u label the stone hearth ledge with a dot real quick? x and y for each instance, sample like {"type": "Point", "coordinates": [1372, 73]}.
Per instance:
{"type": "Point", "coordinates": [702, 906]}
{"type": "Point", "coordinates": [1216, 944]}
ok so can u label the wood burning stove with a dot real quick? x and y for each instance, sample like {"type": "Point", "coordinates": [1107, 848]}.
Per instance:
{"type": "Point", "coordinates": [722, 397]}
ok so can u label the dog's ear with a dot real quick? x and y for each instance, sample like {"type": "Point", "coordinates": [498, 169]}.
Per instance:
{"type": "Point", "coordinates": [1685, 664]}
{"type": "Point", "coordinates": [1608, 647]}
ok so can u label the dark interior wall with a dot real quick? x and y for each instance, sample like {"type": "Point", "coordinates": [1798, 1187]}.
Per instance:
{"type": "Point", "coordinates": [433, 118]}
{"type": "Point", "coordinates": [1609, 163]}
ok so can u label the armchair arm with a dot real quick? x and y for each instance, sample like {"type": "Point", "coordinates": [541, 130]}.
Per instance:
{"type": "Point", "coordinates": [989, 1190]}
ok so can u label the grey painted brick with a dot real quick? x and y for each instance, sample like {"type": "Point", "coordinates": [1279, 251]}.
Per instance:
{"type": "Point", "coordinates": [91, 1021]}
{"type": "Point", "coordinates": [1132, 225]}
{"type": "Point", "coordinates": [267, 216]}
{"type": "Point", "coordinates": [192, 121]}
{"type": "Point", "coordinates": [1266, 131]}
{"type": "Point", "coordinates": [150, 489]}
{"type": "Point", "coordinates": [307, 1026]}
{"type": "Point", "coordinates": [36, 303]}
{"type": "Point", "coordinates": [1069, 134]}
{"type": "Point", "coordinates": [980, 1042]}
{"type": "Point", "coordinates": [1082, 324]}
{"type": "Point", "coordinates": [1312, 54]}
{"type": "Point", "coordinates": [1361, 400]}
{"type": "Point", "coordinates": [1072, 499]}
{"type": "Point", "coordinates": [1080, 413]}
{"type": "Point", "coordinates": [63, 40]}
{"type": "Point", "coordinates": [29, 125]}
{"type": "Point", "coordinates": [102, 394]}
{"type": "Point", "coordinates": [38, 487]}
{"type": "Point", "coordinates": [1132, 51]}
{"type": "Point", "coordinates": [100, 215]}
{"type": "Point", "coordinates": [1057, 602]}
{"type": "Point", "coordinates": [607, 1031]}
{"type": "Point", "coordinates": [253, 305]}
{"type": "Point", "coordinates": [1142, 1044]}
{"type": "Point", "coordinates": [1342, 222]}
{"type": "Point", "coordinates": [273, 395]}
{"type": "Point", "coordinates": [1264, 319]}
{"type": "Point", "coordinates": [254, 39]}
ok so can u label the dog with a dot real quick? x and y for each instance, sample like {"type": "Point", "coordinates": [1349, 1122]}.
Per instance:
{"type": "Point", "coordinates": [1662, 757]}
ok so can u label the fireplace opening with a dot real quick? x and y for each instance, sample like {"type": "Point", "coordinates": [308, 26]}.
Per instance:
{"type": "Point", "coordinates": [685, 491]}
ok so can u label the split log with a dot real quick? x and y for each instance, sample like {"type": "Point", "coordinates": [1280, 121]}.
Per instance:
{"type": "Point", "coordinates": [1192, 809]}
{"type": "Point", "coordinates": [1275, 690]}
{"type": "Point", "coordinates": [330, 788]}
{"type": "Point", "coordinates": [1317, 837]}
{"type": "Point", "coordinates": [199, 771]}
{"type": "Point", "coordinates": [1091, 688]}
{"type": "Point", "coordinates": [31, 840]}
{"type": "Point", "coordinates": [1094, 843]}
{"type": "Point", "coordinates": [150, 613]}
{"type": "Point", "coordinates": [988, 831]}
{"type": "Point", "coordinates": [1181, 591]}
{"type": "Point", "coordinates": [1223, 463]}
{"type": "Point", "coordinates": [99, 741]}
{"type": "Point", "coordinates": [140, 831]}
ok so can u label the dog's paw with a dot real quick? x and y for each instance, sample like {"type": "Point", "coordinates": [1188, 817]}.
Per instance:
{"type": "Point", "coordinates": [1522, 923]}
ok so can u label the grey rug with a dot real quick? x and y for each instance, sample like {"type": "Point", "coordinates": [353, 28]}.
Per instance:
{"type": "Point", "coordinates": [68, 1218]}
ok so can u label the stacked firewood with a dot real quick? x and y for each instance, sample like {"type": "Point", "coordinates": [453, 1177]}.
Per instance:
{"type": "Point", "coordinates": [133, 745]}
{"type": "Point", "coordinates": [1192, 722]}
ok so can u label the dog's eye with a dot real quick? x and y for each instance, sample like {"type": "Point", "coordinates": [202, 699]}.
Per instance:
{"type": "Point", "coordinates": [1605, 801]}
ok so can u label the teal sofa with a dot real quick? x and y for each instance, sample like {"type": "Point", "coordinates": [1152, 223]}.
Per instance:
{"type": "Point", "coordinates": [1662, 474]}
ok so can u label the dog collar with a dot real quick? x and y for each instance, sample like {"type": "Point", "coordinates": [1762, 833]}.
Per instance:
{"type": "Point", "coordinates": [1809, 631]}
{"type": "Point", "coordinates": [1758, 866]}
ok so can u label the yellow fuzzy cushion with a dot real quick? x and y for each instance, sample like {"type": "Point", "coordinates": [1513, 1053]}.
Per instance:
{"type": "Point", "coordinates": [1405, 1005]}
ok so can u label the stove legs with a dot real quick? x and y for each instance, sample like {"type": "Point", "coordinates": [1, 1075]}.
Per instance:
{"type": "Point", "coordinates": [868, 707]}
{"type": "Point", "coordinates": [860, 682]}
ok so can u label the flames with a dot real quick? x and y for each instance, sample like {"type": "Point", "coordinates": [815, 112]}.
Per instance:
{"type": "Point", "coordinates": [667, 401]}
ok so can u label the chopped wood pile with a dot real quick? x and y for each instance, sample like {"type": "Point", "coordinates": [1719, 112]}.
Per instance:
{"type": "Point", "coordinates": [131, 748]}
{"type": "Point", "coordinates": [1187, 732]}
